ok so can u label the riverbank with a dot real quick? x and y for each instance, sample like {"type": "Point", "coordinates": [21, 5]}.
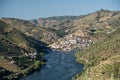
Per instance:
{"type": "Point", "coordinates": [24, 67]}
{"type": "Point", "coordinates": [101, 60]}
{"type": "Point", "coordinates": [60, 65]}
{"type": "Point", "coordinates": [25, 72]}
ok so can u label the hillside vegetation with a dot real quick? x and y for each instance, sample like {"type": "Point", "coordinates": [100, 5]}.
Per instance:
{"type": "Point", "coordinates": [101, 60]}
{"type": "Point", "coordinates": [91, 27]}
{"type": "Point", "coordinates": [50, 29]}
{"type": "Point", "coordinates": [13, 41]}
{"type": "Point", "coordinates": [18, 52]}
{"type": "Point", "coordinates": [43, 34]}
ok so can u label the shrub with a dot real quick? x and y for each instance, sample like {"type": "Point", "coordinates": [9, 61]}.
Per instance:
{"type": "Point", "coordinates": [37, 64]}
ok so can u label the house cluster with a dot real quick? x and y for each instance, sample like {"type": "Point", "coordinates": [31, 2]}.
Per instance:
{"type": "Point", "coordinates": [33, 55]}
{"type": "Point", "coordinates": [71, 42]}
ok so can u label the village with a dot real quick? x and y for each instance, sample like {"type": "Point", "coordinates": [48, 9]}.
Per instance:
{"type": "Point", "coordinates": [71, 42]}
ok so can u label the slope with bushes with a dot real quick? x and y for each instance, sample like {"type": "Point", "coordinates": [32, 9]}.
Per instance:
{"type": "Point", "coordinates": [101, 60]}
{"type": "Point", "coordinates": [44, 34]}
{"type": "Point", "coordinates": [14, 45]}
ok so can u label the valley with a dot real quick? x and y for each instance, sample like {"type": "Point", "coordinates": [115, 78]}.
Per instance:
{"type": "Point", "coordinates": [25, 43]}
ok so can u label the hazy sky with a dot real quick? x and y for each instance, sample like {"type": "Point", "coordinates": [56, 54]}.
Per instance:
{"type": "Point", "coordinates": [32, 9]}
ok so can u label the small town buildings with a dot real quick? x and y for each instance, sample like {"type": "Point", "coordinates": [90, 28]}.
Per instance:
{"type": "Point", "coordinates": [73, 41]}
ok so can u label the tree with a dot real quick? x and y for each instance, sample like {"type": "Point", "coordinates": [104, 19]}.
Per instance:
{"type": "Point", "coordinates": [37, 65]}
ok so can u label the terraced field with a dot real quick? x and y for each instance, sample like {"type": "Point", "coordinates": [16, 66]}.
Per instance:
{"type": "Point", "coordinates": [103, 60]}
{"type": "Point", "coordinates": [103, 71]}
{"type": "Point", "coordinates": [8, 65]}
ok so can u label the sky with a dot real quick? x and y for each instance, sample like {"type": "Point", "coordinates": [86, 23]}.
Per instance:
{"type": "Point", "coordinates": [33, 9]}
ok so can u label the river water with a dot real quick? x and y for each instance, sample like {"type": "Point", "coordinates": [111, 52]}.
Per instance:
{"type": "Point", "coordinates": [60, 66]}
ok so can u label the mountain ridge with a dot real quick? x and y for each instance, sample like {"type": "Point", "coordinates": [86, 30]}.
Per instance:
{"type": "Point", "coordinates": [25, 40]}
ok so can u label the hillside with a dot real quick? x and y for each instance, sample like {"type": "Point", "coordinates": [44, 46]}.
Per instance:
{"type": "Point", "coordinates": [102, 59]}
{"type": "Point", "coordinates": [50, 29]}
{"type": "Point", "coordinates": [18, 52]}
{"type": "Point", "coordinates": [6, 45]}
{"type": "Point", "coordinates": [103, 20]}
{"type": "Point", "coordinates": [52, 21]}
{"type": "Point", "coordinates": [88, 29]}
{"type": "Point", "coordinates": [43, 34]}
{"type": "Point", "coordinates": [58, 24]}
{"type": "Point", "coordinates": [13, 39]}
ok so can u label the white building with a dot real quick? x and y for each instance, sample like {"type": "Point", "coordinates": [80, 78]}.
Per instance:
{"type": "Point", "coordinates": [73, 41]}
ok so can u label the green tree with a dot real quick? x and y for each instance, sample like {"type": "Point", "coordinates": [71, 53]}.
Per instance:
{"type": "Point", "coordinates": [37, 65]}
{"type": "Point", "coordinates": [42, 54]}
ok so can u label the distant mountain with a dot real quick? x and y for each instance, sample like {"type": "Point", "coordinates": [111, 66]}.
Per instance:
{"type": "Point", "coordinates": [51, 29]}
{"type": "Point", "coordinates": [63, 25]}
{"type": "Point", "coordinates": [44, 21]}
{"type": "Point", "coordinates": [93, 26]}
{"type": "Point", "coordinates": [57, 24]}
{"type": "Point", "coordinates": [100, 19]}
{"type": "Point", "coordinates": [57, 29]}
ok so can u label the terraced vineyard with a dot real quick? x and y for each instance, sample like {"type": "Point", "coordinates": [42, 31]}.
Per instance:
{"type": "Point", "coordinates": [101, 72]}
{"type": "Point", "coordinates": [8, 65]}
{"type": "Point", "coordinates": [101, 60]}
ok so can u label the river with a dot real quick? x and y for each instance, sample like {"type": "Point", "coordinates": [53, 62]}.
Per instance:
{"type": "Point", "coordinates": [60, 66]}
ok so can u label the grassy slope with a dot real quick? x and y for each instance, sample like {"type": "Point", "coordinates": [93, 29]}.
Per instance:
{"type": "Point", "coordinates": [102, 59]}
{"type": "Point", "coordinates": [7, 45]}
{"type": "Point", "coordinates": [104, 22]}
{"type": "Point", "coordinates": [100, 20]}
{"type": "Point", "coordinates": [14, 43]}
{"type": "Point", "coordinates": [32, 30]}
